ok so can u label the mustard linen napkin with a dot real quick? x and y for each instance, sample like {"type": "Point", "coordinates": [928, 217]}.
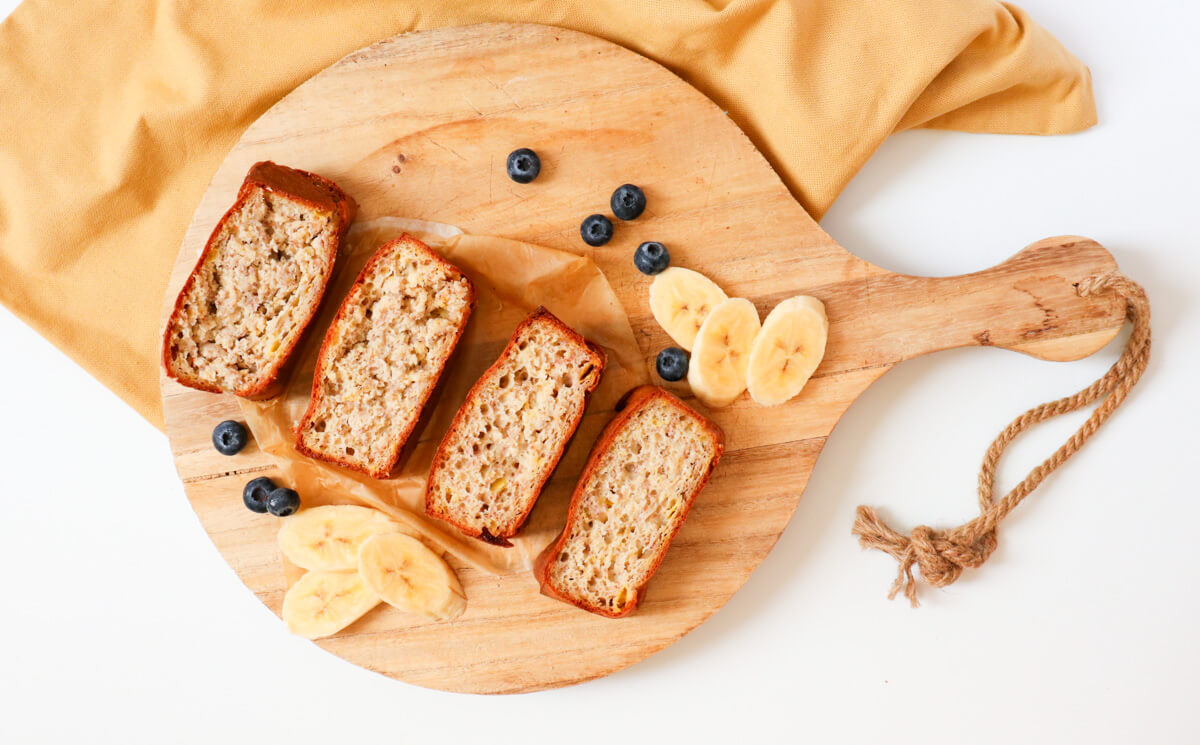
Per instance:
{"type": "Point", "coordinates": [114, 114]}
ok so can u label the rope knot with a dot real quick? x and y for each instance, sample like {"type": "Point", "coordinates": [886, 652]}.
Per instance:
{"type": "Point", "coordinates": [941, 555]}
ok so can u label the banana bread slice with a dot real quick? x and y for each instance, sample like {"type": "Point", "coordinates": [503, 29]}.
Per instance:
{"type": "Point", "coordinates": [258, 282]}
{"type": "Point", "coordinates": [512, 429]}
{"type": "Point", "coordinates": [640, 480]}
{"type": "Point", "coordinates": [383, 355]}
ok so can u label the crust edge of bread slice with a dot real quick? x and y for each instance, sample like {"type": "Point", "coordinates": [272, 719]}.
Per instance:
{"type": "Point", "coordinates": [599, 358]}
{"type": "Point", "coordinates": [305, 187]}
{"type": "Point", "coordinates": [317, 395]}
{"type": "Point", "coordinates": [633, 401]}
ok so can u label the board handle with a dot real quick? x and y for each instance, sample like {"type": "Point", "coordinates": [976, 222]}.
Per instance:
{"type": "Point", "coordinates": [1067, 281]}
{"type": "Point", "coordinates": [1029, 304]}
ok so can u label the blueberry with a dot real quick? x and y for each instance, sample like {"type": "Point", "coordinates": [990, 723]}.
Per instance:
{"type": "Point", "coordinates": [255, 494]}
{"type": "Point", "coordinates": [283, 501]}
{"type": "Point", "coordinates": [628, 202]}
{"type": "Point", "coordinates": [672, 364]}
{"type": "Point", "coordinates": [229, 437]}
{"type": "Point", "coordinates": [651, 257]}
{"type": "Point", "coordinates": [524, 165]}
{"type": "Point", "coordinates": [596, 230]}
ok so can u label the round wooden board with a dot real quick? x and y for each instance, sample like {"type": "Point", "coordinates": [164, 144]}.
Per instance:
{"type": "Point", "coordinates": [419, 125]}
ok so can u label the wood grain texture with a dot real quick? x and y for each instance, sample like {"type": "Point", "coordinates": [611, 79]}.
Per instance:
{"type": "Point", "coordinates": [419, 126]}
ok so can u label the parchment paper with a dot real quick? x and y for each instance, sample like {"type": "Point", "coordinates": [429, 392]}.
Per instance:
{"type": "Point", "coordinates": [511, 279]}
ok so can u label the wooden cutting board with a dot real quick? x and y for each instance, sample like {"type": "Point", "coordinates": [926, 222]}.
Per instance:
{"type": "Point", "coordinates": [420, 125]}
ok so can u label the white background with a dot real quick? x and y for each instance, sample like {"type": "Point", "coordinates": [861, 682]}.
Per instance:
{"type": "Point", "coordinates": [119, 621]}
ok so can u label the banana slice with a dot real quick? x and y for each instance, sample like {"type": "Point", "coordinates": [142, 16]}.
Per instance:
{"type": "Point", "coordinates": [323, 603]}
{"type": "Point", "coordinates": [680, 300]}
{"type": "Point", "coordinates": [717, 372]}
{"type": "Point", "coordinates": [328, 538]}
{"type": "Point", "coordinates": [787, 350]}
{"type": "Point", "coordinates": [410, 577]}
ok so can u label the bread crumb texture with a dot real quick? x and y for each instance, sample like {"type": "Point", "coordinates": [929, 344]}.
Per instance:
{"type": "Point", "coordinates": [631, 504]}
{"type": "Point", "coordinates": [254, 292]}
{"type": "Point", "coordinates": [512, 430]}
{"type": "Point", "coordinates": [384, 354]}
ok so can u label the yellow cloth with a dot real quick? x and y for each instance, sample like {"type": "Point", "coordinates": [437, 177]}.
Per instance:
{"type": "Point", "coordinates": [115, 114]}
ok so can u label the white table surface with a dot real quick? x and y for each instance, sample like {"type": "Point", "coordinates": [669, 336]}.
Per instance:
{"type": "Point", "coordinates": [119, 621]}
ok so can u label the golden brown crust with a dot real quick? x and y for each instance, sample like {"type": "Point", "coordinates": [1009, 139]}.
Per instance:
{"type": "Point", "coordinates": [308, 188]}
{"type": "Point", "coordinates": [600, 359]}
{"type": "Point", "coordinates": [633, 401]}
{"type": "Point", "coordinates": [317, 395]}
{"type": "Point", "coordinates": [303, 186]}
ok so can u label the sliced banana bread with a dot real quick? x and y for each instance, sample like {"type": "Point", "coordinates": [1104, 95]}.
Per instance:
{"type": "Point", "coordinates": [258, 282]}
{"type": "Point", "coordinates": [512, 429]}
{"type": "Point", "coordinates": [640, 480]}
{"type": "Point", "coordinates": [382, 357]}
